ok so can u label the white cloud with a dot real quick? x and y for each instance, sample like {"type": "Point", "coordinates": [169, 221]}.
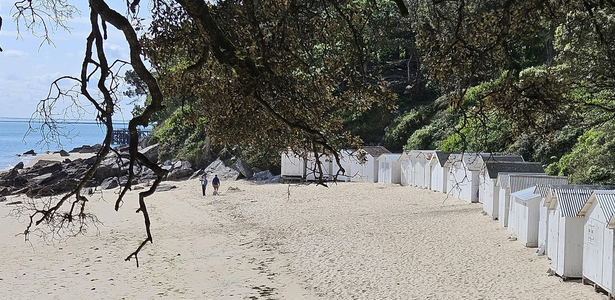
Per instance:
{"type": "Point", "coordinates": [15, 53]}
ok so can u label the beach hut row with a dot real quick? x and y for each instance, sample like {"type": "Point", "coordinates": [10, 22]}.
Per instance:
{"type": "Point", "coordinates": [360, 165]}
{"type": "Point", "coordinates": [574, 225]}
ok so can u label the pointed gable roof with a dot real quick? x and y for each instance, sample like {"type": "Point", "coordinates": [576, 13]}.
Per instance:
{"type": "Point", "coordinates": [375, 151]}
{"type": "Point", "coordinates": [441, 157]}
{"type": "Point", "coordinates": [606, 200]}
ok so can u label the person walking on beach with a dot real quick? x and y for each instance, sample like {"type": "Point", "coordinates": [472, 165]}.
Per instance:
{"type": "Point", "coordinates": [204, 183]}
{"type": "Point", "coordinates": [216, 184]}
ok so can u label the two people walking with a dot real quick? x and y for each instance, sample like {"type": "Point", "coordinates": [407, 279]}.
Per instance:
{"type": "Point", "coordinates": [215, 183]}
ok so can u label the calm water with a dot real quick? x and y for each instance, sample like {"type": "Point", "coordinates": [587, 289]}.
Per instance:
{"type": "Point", "coordinates": [13, 139]}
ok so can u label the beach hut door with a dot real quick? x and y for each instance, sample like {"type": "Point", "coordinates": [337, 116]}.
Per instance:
{"type": "Point", "coordinates": [593, 255]}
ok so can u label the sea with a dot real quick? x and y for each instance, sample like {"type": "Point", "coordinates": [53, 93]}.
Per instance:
{"type": "Point", "coordinates": [15, 138]}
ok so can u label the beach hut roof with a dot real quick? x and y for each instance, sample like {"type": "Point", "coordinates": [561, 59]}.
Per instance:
{"type": "Point", "coordinates": [415, 153]}
{"type": "Point", "coordinates": [389, 156]}
{"type": "Point", "coordinates": [440, 157]}
{"type": "Point", "coordinates": [572, 198]}
{"type": "Point", "coordinates": [425, 154]}
{"type": "Point", "coordinates": [490, 157]}
{"type": "Point", "coordinates": [404, 155]}
{"type": "Point", "coordinates": [495, 167]}
{"type": "Point", "coordinates": [375, 151]}
{"type": "Point", "coordinates": [542, 189]}
{"type": "Point", "coordinates": [526, 194]}
{"type": "Point", "coordinates": [470, 160]}
{"type": "Point", "coordinates": [518, 181]}
{"type": "Point", "coordinates": [606, 200]}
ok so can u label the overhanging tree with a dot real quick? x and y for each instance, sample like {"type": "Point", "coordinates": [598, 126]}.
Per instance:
{"type": "Point", "coordinates": [276, 71]}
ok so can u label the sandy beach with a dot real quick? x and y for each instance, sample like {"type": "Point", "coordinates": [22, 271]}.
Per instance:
{"type": "Point", "coordinates": [277, 241]}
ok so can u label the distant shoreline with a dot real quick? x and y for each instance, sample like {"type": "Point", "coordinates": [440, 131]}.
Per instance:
{"type": "Point", "coordinates": [69, 121]}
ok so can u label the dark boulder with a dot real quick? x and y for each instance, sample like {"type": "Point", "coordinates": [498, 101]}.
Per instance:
{"type": "Point", "coordinates": [109, 183]}
{"type": "Point", "coordinates": [224, 173]}
{"type": "Point", "coordinates": [151, 152]}
{"type": "Point", "coordinates": [46, 166]}
{"type": "Point", "coordinates": [87, 149]}
{"type": "Point", "coordinates": [180, 170]}
{"type": "Point", "coordinates": [13, 173]}
{"type": "Point", "coordinates": [63, 153]}
{"type": "Point", "coordinates": [243, 168]}
{"type": "Point", "coordinates": [30, 152]}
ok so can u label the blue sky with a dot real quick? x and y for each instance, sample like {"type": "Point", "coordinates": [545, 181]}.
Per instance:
{"type": "Point", "coordinates": [28, 67]}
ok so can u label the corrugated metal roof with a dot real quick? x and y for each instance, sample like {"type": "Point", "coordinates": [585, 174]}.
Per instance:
{"type": "Point", "coordinates": [542, 189]}
{"type": "Point", "coordinates": [375, 151]}
{"type": "Point", "coordinates": [495, 167]}
{"type": "Point", "coordinates": [502, 179]}
{"type": "Point", "coordinates": [519, 181]}
{"type": "Point", "coordinates": [572, 198]}
{"type": "Point", "coordinates": [606, 199]}
{"type": "Point", "coordinates": [525, 194]}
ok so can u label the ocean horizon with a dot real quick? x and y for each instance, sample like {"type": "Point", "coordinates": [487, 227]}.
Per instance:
{"type": "Point", "coordinates": [15, 139]}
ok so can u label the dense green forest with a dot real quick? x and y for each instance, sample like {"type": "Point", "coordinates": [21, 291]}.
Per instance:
{"type": "Point", "coordinates": [532, 78]}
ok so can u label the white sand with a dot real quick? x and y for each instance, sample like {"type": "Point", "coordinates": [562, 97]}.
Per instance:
{"type": "Point", "coordinates": [349, 241]}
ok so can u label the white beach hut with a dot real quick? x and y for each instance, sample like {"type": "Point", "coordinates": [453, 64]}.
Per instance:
{"type": "Point", "coordinates": [367, 167]}
{"type": "Point", "coordinates": [514, 182]}
{"type": "Point", "coordinates": [424, 158]}
{"type": "Point", "coordinates": [415, 178]}
{"type": "Point", "coordinates": [439, 171]}
{"type": "Point", "coordinates": [599, 240]}
{"type": "Point", "coordinates": [349, 162]}
{"type": "Point", "coordinates": [293, 166]}
{"type": "Point", "coordinates": [463, 180]}
{"type": "Point", "coordinates": [524, 216]}
{"type": "Point", "coordinates": [492, 159]}
{"type": "Point", "coordinates": [312, 169]}
{"type": "Point", "coordinates": [566, 228]}
{"type": "Point", "coordinates": [489, 194]}
{"type": "Point", "coordinates": [389, 168]}
{"type": "Point", "coordinates": [405, 168]}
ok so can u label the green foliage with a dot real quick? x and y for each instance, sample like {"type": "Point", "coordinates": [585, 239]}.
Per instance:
{"type": "Point", "coordinates": [549, 148]}
{"type": "Point", "coordinates": [397, 133]}
{"type": "Point", "coordinates": [591, 159]}
{"type": "Point", "coordinates": [487, 134]}
{"type": "Point", "coordinates": [433, 135]}
{"type": "Point", "coordinates": [368, 125]}
{"type": "Point", "coordinates": [181, 137]}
